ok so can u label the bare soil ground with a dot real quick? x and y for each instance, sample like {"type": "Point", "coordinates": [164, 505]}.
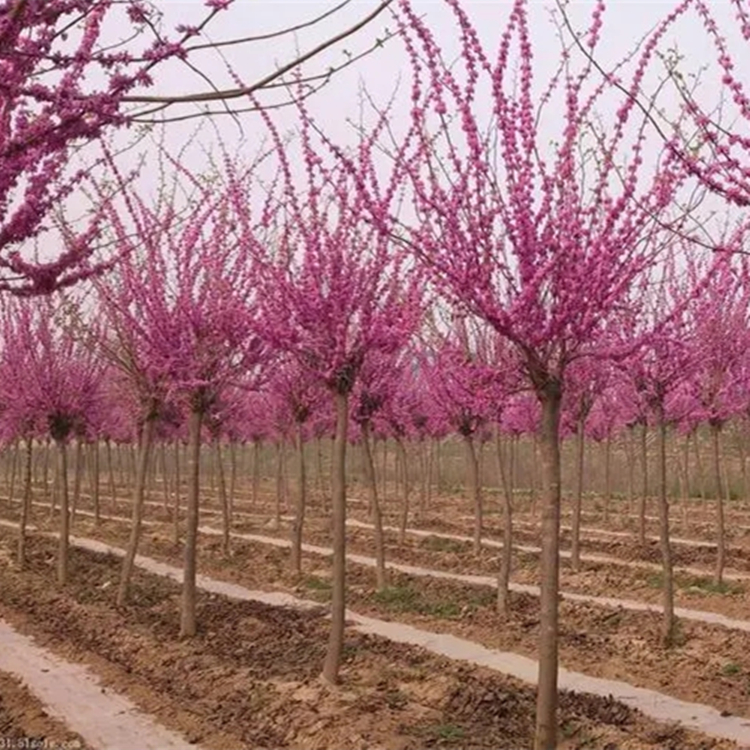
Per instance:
{"type": "Point", "coordinates": [250, 678]}
{"type": "Point", "coordinates": [707, 666]}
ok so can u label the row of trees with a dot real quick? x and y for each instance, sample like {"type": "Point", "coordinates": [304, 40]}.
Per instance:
{"type": "Point", "coordinates": [577, 256]}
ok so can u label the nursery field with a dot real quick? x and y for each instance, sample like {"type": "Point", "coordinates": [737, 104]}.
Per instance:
{"type": "Point", "coordinates": [428, 660]}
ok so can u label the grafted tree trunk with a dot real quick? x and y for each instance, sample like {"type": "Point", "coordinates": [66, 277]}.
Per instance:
{"type": "Point", "coordinates": [25, 503]}
{"type": "Point", "coordinates": [668, 620]}
{"type": "Point", "coordinates": [334, 653]}
{"type": "Point", "coordinates": [188, 615]}
{"type": "Point", "coordinates": [545, 737]}
{"type": "Point", "coordinates": [139, 494]}
{"type": "Point", "coordinates": [575, 552]}
{"type": "Point", "coordinates": [506, 558]}
{"type": "Point", "coordinates": [720, 494]}
{"type": "Point", "coordinates": [381, 576]}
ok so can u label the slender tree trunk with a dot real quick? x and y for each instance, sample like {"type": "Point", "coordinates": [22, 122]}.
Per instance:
{"type": "Point", "coordinates": [62, 472]}
{"type": "Point", "coordinates": [232, 476]}
{"type": "Point", "coordinates": [630, 458]}
{"type": "Point", "coordinates": [430, 471]}
{"type": "Point", "coordinates": [668, 622]}
{"type": "Point", "coordinates": [111, 470]}
{"type": "Point", "coordinates": [95, 482]}
{"type": "Point", "coordinates": [319, 483]}
{"type": "Point", "coordinates": [45, 470]}
{"type": "Point", "coordinates": [187, 619]}
{"type": "Point", "coordinates": [139, 495]}
{"type": "Point", "coordinates": [385, 470]}
{"type": "Point", "coordinates": [475, 490]}
{"type": "Point", "coordinates": [535, 457]}
{"type": "Point", "coordinates": [14, 450]}
{"type": "Point", "coordinates": [377, 519]}
{"type": "Point", "coordinates": [644, 493]}
{"type": "Point", "coordinates": [177, 491]}
{"type": "Point", "coordinates": [575, 552]}
{"type": "Point", "coordinates": [256, 473]}
{"type": "Point", "coordinates": [438, 469]}
{"type": "Point", "coordinates": [699, 468]}
{"type": "Point", "coordinates": [334, 653]}
{"type": "Point", "coordinates": [299, 514]}
{"type": "Point", "coordinates": [226, 518]}
{"type": "Point", "coordinates": [506, 558]}
{"type": "Point", "coordinates": [165, 478]}
{"type": "Point", "coordinates": [402, 459]}
{"type": "Point", "coordinates": [549, 444]}
{"type": "Point", "coordinates": [77, 478]}
{"type": "Point", "coordinates": [720, 530]}
{"type": "Point", "coordinates": [607, 476]}
{"type": "Point", "coordinates": [279, 482]}
{"type": "Point", "coordinates": [25, 503]}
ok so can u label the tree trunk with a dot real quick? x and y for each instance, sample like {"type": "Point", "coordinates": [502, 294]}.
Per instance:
{"type": "Point", "coordinates": [699, 468]}
{"type": "Point", "coordinates": [644, 493]}
{"type": "Point", "coordinates": [256, 473]}
{"type": "Point", "coordinates": [226, 518]}
{"type": "Point", "coordinates": [77, 479]}
{"type": "Point", "coordinates": [335, 650]}
{"type": "Point", "coordinates": [549, 445]}
{"type": "Point", "coordinates": [475, 491]}
{"type": "Point", "coordinates": [279, 483]}
{"type": "Point", "coordinates": [25, 504]}
{"type": "Point", "coordinates": [232, 476]}
{"type": "Point", "coordinates": [506, 558]}
{"type": "Point", "coordinates": [139, 493]}
{"type": "Point", "coordinates": [112, 483]}
{"type": "Point", "coordinates": [377, 519]}
{"type": "Point", "coordinates": [575, 551]}
{"type": "Point", "coordinates": [403, 461]}
{"type": "Point", "coordinates": [45, 470]}
{"type": "Point", "coordinates": [607, 476]}
{"type": "Point", "coordinates": [187, 619]}
{"type": "Point", "coordinates": [62, 483]}
{"type": "Point", "coordinates": [299, 514]}
{"type": "Point", "coordinates": [177, 490]}
{"type": "Point", "coordinates": [720, 530]}
{"type": "Point", "coordinates": [94, 481]}
{"type": "Point", "coordinates": [668, 622]}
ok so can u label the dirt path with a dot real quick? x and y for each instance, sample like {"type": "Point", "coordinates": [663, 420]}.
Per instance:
{"type": "Point", "coordinates": [105, 720]}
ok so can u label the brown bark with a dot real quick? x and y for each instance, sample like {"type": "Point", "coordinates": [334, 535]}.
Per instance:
{"type": "Point", "coordinates": [575, 551]}
{"type": "Point", "coordinates": [403, 461]}
{"type": "Point", "coordinates": [177, 490]}
{"type": "Point", "coordinates": [77, 478]}
{"type": "Point", "coordinates": [720, 494]}
{"type": "Point", "coordinates": [644, 487]}
{"type": "Point", "coordinates": [299, 515]}
{"type": "Point", "coordinates": [545, 737]}
{"type": "Point", "coordinates": [334, 653]}
{"type": "Point", "coordinates": [94, 481]}
{"type": "Point", "coordinates": [226, 518]}
{"type": "Point", "coordinates": [111, 468]}
{"type": "Point", "coordinates": [475, 490]}
{"type": "Point", "coordinates": [62, 484]}
{"type": "Point", "coordinates": [381, 575]}
{"type": "Point", "coordinates": [139, 494]}
{"type": "Point", "coordinates": [187, 616]}
{"type": "Point", "coordinates": [668, 620]}
{"type": "Point", "coordinates": [506, 558]}
{"type": "Point", "coordinates": [607, 476]}
{"type": "Point", "coordinates": [25, 504]}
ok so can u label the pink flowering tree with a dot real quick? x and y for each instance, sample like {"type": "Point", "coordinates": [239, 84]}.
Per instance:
{"type": "Point", "coordinates": [181, 310]}
{"type": "Point", "coordinates": [541, 241]}
{"type": "Point", "coordinates": [50, 386]}
{"type": "Point", "coordinates": [332, 294]}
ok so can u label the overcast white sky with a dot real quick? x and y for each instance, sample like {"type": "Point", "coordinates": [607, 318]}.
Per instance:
{"type": "Point", "coordinates": [626, 23]}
